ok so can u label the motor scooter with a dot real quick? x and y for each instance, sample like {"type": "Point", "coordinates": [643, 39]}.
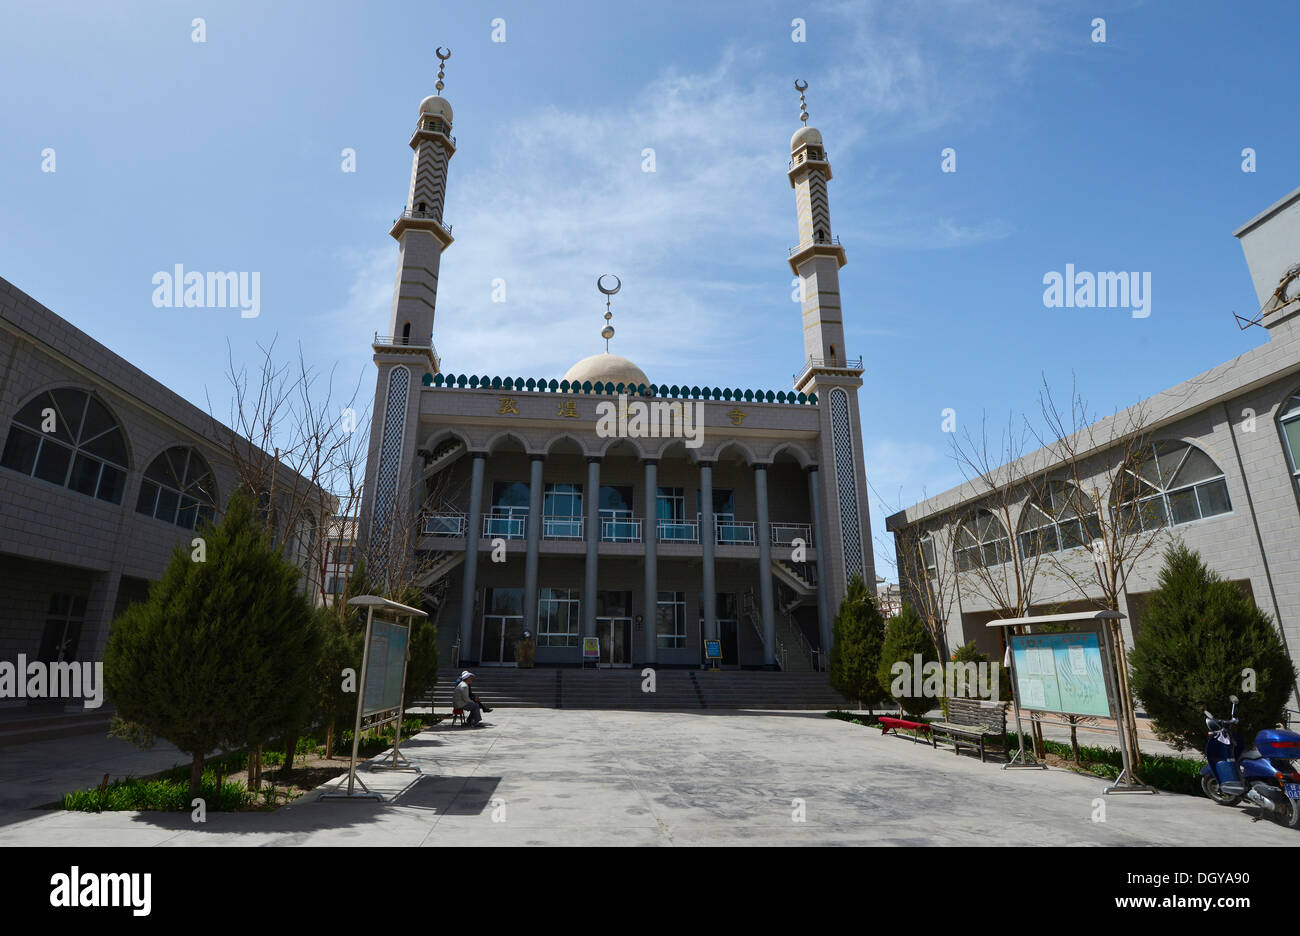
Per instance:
{"type": "Point", "coordinates": [1264, 775]}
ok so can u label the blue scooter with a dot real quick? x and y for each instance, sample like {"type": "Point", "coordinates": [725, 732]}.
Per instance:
{"type": "Point", "coordinates": [1263, 775]}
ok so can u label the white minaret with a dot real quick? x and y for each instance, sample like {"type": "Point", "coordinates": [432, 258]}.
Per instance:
{"type": "Point", "coordinates": [406, 353]}
{"type": "Point", "coordinates": [827, 371]}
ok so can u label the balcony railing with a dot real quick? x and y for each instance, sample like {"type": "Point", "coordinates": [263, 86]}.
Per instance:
{"type": "Point", "coordinates": [733, 533]}
{"type": "Point", "coordinates": [620, 529]}
{"type": "Point", "coordinates": [562, 528]}
{"type": "Point", "coordinates": [506, 523]}
{"type": "Point", "coordinates": [823, 241]}
{"type": "Point", "coordinates": [837, 361]}
{"type": "Point", "coordinates": [677, 531]}
{"type": "Point", "coordinates": [417, 215]}
{"type": "Point", "coordinates": [784, 534]}
{"type": "Point", "coordinates": [444, 524]}
{"type": "Point", "coordinates": [824, 157]}
{"type": "Point", "coordinates": [437, 126]}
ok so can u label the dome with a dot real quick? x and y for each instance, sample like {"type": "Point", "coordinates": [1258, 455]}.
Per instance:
{"type": "Point", "coordinates": [437, 106]}
{"type": "Point", "coordinates": [801, 137]}
{"type": "Point", "coordinates": [606, 368]}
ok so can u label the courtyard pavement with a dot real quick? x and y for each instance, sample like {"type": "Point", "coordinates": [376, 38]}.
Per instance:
{"type": "Point", "coordinates": [561, 777]}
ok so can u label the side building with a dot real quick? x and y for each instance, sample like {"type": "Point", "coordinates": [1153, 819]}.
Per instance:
{"type": "Point", "coordinates": [103, 471]}
{"type": "Point", "coordinates": [1217, 466]}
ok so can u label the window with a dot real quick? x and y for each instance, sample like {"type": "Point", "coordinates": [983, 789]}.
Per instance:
{"type": "Point", "coordinates": [1290, 422]}
{"type": "Point", "coordinates": [670, 621]}
{"type": "Point", "coordinates": [63, 622]}
{"type": "Point", "coordinates": [670, 513]}
{"type": "Point", "coordinates": [1169, 483]}
{"type": "Point", "coordinates": [981, 541]}
{"type": "Point", "coordinates": [562, 511]}
{"type": "Point", "coordinates": [559, 616]}
{"type": "Point", "coordinates": [69, 438]}
{"type": "Point", "coordinates": [616, 518]}
{"type": "Point", "coordinates": [178, 488]}
{"type": "Point", "coordinates": [509, 514]}
{"type": "Point", "coordinates": [1059, 517]}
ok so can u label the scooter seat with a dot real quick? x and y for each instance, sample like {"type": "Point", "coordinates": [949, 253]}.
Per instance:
{"type": "Point", "coordinates": [1252, 754]}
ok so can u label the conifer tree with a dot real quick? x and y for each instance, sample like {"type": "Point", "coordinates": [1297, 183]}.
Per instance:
{"type": "Point", "coordinates": [859, 632]}
{"type": "Point", "coordinates": [223, 652]}
{"type": "Point", "coordinates": [906, 637]}
{"type": "Point", "coordinates": [1200, 640]}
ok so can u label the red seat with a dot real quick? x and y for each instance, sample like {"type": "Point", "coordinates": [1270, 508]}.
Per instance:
{"type": "Point", "coordinates": [457, 713]}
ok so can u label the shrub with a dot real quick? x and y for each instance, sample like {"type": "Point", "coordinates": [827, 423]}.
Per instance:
{"type": "Point", "coordinates": [906, 638]}
{"type": "Point", "coordinates": [1197, 636]}
{"type": "Point", "coordinates": [857, 637]}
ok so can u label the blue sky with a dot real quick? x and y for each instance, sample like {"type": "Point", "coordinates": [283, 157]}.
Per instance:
{"type": "Point", "coordinates": [226, 155]}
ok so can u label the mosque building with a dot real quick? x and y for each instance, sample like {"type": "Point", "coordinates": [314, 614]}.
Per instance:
{"type": "Point", "coordinates": [557, 507]}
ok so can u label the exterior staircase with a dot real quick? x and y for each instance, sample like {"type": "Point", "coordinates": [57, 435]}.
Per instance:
{"type": "Point", "coordinates": [443, 454]}
{"type": "Point", "coordinates": [799, 578]}
{"type": "Point", "coordinates": [675, 689]}
{"type": "Point", "coordinates": [441, 563]}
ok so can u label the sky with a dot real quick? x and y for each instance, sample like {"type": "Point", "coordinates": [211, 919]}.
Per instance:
{"type": "Point", "coordinates": [228, 155]}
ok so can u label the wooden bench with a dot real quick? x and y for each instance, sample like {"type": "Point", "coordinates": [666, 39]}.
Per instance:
{"type": "Point", "coordinates": [888, 722]}
{"type": "Point", "coordinates": [970, 721]}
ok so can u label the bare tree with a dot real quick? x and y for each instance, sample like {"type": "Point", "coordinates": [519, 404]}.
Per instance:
{"type": "Point", "coordinates": [1101, 463]}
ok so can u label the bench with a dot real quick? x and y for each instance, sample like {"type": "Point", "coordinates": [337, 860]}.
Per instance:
{"type": "Point", "coordinates": [970, 721]}
{"type": "Point", "coordinates": [888, 722]}
{"type": "Point", "coordinates": [455, 714]}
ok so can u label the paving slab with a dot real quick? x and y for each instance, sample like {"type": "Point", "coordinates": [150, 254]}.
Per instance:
{"type": "Point", "coordinates": [600, 777]}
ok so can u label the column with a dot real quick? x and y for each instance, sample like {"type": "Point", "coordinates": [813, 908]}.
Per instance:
{"type": "Point", "coordinates": [765, 567]}
{"type": "Point", "coordinates": [651, 558]}
{"type": "Point", "coordinates": [823, 559]}
{"type": "Point", "coordinates": [707, 537]}
{"type": "Point", "coordinates": [534, 543]}
{"type": "Point", "coordinates": [473, 525]}
{"type": "Point", "coordinates": [591, 501]}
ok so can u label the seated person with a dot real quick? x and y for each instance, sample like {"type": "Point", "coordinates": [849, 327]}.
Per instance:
{"type": "Point", "coordinates": [464, 699]}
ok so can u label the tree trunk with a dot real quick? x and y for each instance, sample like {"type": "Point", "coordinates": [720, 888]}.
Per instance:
{"type": "Point", "coordinates": [290, 748]}
{"type": "Point", "coordinates": [196, 775]}
{"type": "Point", "coordinates": [329, 741]}
{"type": "Point", "coordinates": [1074, 742]}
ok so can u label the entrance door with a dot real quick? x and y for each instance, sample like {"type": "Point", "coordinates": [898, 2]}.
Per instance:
{"type": "Point", "coordinates": [500, 633]}
{"type": "Point", "coordinates": [615, 640]}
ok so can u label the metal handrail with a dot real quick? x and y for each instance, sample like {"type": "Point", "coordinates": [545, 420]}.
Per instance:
{"type": "Point", "coordinates": [825, 157]}
{"type": "Point", "coordinates": [801, 531]}
{"type": "Point", "coordinates": [733, 526]}
{"type": "Point", "coordinates": [690, 526]}
{"type": "Point", "coordinates": [607, 524]}
{"type": "Point", "coordinates": [457, 523]}
{"type": "Point", "coordinates": [423, 216]}
{"type": "Point", "coordinates": [513, 521]}
{"type": "Point", "coordinates": [445, 130]}
{"type": "Point", "coordinates": [552, 522]}
{"type": "Point", "coordinates": [832, 241]}
{"type": "Point", "coordinates": [814, 361]}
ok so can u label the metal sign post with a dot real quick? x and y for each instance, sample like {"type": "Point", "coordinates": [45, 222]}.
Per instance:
{"type": "Point", "coordinates": [381, 714]}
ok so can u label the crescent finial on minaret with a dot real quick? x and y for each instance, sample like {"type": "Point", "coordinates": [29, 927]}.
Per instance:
{"type": "Point", "coordinates": [801, 87]}
{"type": "Point", "coordinates": [608, 331]}
{"type": "Point", "coordinates": [443, 55]}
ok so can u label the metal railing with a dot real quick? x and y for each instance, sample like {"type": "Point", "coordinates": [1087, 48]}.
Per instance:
{"type": "Point", "coordinates": [437, 126]}
{"type": "Point", "coordinates": [824, 157]}
{"type": "Point", "coordinates": [677, 531]}
{"type": "Point", "coordinates": [784, 534]}
{"type": "Point", "coordinates": [506, 523]}
{"type": "Point", "coordinates": [833, 241]}
{"type": "Point", "coordinates": [417, 215]}
{"type": "Point", "coordinates": [734, 533]}
{"type": "Point", "coordinates": [559, 527]}
{"type": "Point", "coordinates": [444, 524]}
{"type": "Point", "coordinates": [620, 529]}
{"type": "Point", "coordinates": [814, 361]}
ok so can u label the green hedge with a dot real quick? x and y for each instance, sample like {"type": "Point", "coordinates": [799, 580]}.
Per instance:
{"type": "Point", "coordinates": [160, 795]}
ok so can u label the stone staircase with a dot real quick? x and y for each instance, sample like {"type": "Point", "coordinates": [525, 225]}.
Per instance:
{"type": "Point", "coordinates": [675, 689]}
{"type": "Point", "coordinates": [20, 725]}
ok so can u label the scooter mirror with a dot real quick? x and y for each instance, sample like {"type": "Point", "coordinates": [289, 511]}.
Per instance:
{"type": "Point", "coordinates": [1233, 699]}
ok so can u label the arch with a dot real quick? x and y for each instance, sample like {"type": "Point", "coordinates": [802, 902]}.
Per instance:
{"type": "Point", "coordinates": [1288, 424]}
{"type": "Point", "coordinates": [746, 453]}
{"type": "Point", "coordinates": [1166, 483]}
{"type": "Point", "coordinates": [1056, 516]}
{"type": "Point", "coordinates": [980, 541]}
{"type": "Point", "coordinates": [795, 451]}
{"type": "Point", "coordinates": [619, 442]}
{"type": "Point", "coordinates": [565, 437]}
{"type": "Point", "coordinates": [494, 443]}
{"type": "Point", "coordinates": [68, 436]}
{"type": "Point", "coordinates": [178, 488]}
{"type": "Point", "coordinates": [442, 434]}
{"type": "Point", "coordinates": [673, 448]}
{"type": "Point", "coordinates": [406, 333]}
